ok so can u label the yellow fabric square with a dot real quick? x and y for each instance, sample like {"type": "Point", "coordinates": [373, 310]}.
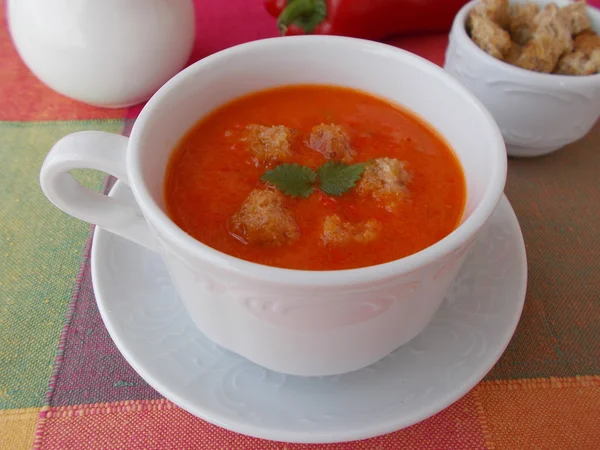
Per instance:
{"type": "Point", "coordinates": [17, 428]}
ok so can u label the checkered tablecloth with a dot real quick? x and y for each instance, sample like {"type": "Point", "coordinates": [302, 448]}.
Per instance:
{"type": "Point", "coordinates": [64, 385]}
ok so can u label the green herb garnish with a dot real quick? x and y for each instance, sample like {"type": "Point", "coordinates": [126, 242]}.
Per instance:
{"type": "Point", "coordinates": [292, 179]}
{"type": "Point", "coordinates": [306, 14]}
{"type": "Point", "coordinates": [335, 178]}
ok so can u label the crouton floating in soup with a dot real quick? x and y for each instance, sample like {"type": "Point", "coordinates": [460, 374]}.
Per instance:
{"type": "Point", "coordinates": [263, 219]}
{"type": "Point", "coordinates": [384, 179]}
{"type": "Point", "coordinates": [269, 144]}
{"type": "Point", "coordinates": [340, 232]}
{"type": "Point", "coordinates": [314, 177]}
{"type": "Point", "coordinates": [332, 142]}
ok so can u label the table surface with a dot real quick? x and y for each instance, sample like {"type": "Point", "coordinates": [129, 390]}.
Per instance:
{"type": "Point", "coordinates": [63, 384]}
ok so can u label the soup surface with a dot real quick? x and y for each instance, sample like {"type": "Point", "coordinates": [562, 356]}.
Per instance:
{"type": "Point", "coordinates": [314, 177]}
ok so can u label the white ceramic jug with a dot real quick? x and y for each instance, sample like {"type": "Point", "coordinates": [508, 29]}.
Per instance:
{"type": "Point", "coordinates": [110, 53]}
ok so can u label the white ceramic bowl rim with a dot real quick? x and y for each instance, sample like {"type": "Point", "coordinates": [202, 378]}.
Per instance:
{"type": "Point", "coordinates": [459, 29]}
{"type": "Point", "coordinates": [332, 278]}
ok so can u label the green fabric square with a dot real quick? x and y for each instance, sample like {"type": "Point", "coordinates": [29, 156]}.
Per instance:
{"type": "Point", "coordinates": [40, 255]}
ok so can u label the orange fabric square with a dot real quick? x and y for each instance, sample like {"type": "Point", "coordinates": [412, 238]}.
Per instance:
{"type": "Point", "coordinates": [25, 98]}
{"type": "Point", "coordinates": [553, 413]}
{"type": "Point", "coordinates": [158, 424]}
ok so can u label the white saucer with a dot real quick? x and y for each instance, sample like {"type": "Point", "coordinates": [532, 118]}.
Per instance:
{"type": "Point", "coordinates": [149, 325]}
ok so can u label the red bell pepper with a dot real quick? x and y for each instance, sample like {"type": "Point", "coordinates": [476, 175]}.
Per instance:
{"type": "Point", "coordinates": [367, 19]}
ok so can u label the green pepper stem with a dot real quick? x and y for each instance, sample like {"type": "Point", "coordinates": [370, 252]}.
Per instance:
{"type": "Point", "coordinates": [294, 10]}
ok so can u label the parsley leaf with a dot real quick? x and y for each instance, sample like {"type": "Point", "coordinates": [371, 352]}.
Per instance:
{"type": "Point", "coordinates": [292, 179]}
{"type": "Point", "coordinates": [336, 177]}
{"type": "Point", "coordinates": [295, 180]}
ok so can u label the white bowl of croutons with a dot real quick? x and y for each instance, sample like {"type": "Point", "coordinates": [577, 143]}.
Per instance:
{"type": "Point", "coordinates": [534, 65]}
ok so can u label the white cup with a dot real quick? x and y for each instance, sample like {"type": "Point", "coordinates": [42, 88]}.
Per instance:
{"type": "Point", "coordinates": [292, 321]}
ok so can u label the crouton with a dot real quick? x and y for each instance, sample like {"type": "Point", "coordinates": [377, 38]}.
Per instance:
{"type": "Point", "coordinates": [575, 15]}
{"type": "Point", "coordinates": [488, 35]}
{"type": "Point", "coordinates": [551, 40]}
{"type": "Point", "coordinates": [579, 63]}
{"type": "Point", "coordinates": [550, 21]}
{"type": "Point", "coordinates": [340, 232]}
{"type": "Point", "coordinates": [539, 55]}
{"type": "Point", "coordinates": [384, 179]}
{"type": "Point", "coordinates": [521, 25]}
{"type": "Point", "coordinates": [332, 142]}
{"type": "Point", "coordinates": [587, 42]}
{"type": "Point", "coordinates": [585, 59]}
{"type": "Point", "coordinates": [498, 11]}
{"type": "Point", "coordinates": [595, 58]}
{"type": "Point", "coordinates": [514, 54]}
{"type": "Point", "coordinates": [269, 144]}
{"type": "Point", "coordinates": [263, 219]}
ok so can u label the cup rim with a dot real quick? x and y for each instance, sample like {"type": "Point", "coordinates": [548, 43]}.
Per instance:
{"type": "Point", "coordinates": [459, 30]}
{"type": "Point", "coordinates": [315, 278]}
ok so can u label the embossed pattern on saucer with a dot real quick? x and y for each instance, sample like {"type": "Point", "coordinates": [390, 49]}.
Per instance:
{"type": "Point", "coordinates": [149, 325]}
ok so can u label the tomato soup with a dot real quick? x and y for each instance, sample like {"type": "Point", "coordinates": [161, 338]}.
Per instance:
{"type": "Point", "coordinates": [314, 177]}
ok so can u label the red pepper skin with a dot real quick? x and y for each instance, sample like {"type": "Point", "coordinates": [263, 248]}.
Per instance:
{"type": "Point", "coordinates": [378, 19]}
{"type": "Point", "coordinates": [275, 7]}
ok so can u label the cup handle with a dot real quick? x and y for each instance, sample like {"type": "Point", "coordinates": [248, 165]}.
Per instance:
{"type": "Point", "coordinates": [100, 151]}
